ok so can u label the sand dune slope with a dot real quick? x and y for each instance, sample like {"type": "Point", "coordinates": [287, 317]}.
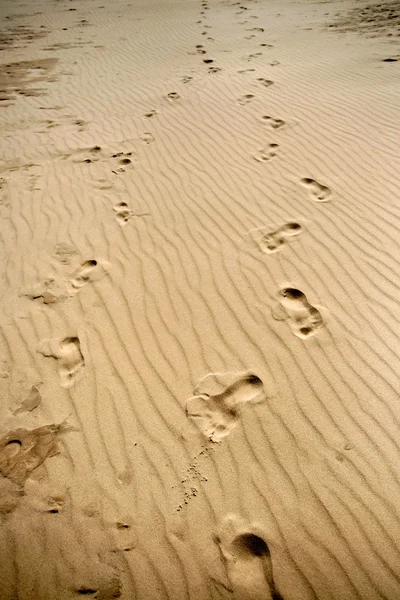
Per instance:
{"type": "Point", "coordinates": [200, 316]}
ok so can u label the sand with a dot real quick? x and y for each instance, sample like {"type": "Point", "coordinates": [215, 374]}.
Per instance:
{"type": "Point", "coordinates": [200, 316]}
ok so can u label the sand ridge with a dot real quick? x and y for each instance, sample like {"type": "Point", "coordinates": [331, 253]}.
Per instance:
{"type": "Point", "coordinates": [199, 330]}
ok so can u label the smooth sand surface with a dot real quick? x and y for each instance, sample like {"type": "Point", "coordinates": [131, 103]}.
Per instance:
{"type": "Point", "coordinates": [200, 310]}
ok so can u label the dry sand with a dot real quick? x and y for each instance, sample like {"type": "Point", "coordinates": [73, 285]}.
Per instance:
{"type": "Point", "coordinates": [200, 312]}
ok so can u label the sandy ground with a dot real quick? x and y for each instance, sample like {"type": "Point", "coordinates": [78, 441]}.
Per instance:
{"type": "Point", "coordinates": [200, 317]}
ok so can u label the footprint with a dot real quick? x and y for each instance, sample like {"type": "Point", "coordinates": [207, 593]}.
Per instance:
{"type": "Point", "coordinates": [214, 69]}
{"type": "Point", "coordinates": [31, 402]}
{"type": "Point", "coordinates": [274, 123]}
{"type": "Point", "coordinates": [103, 184]}
{"type": "Point", "coordinates": [86, 155]}
{"type": "Point", "coordinates": [50, 291]}
{"type": "Point", "coordinates": [123, 162]}
{"type": "Point", "coordinates": [246, 70]}
{"type": "Point", "coordinates": [319, 192]}
{"type": "Point", "coordinates": [125, 214]}
{"type": "Point", "coordinates": [247, 559]}
{"type": "Point", "coordinates": [186, 79]}
{"type": "Point", "coordinates": [82, 275]}
{"type": "Point", "coordinates": [68, 355]}
{"type": "Point", "coordinates": [218, 399]}
{"type": "Point", "coordinates": [147, 138]}
{"type": "Point", "coordinates": [245, 99]}
{"type": "Point", "coordinates": [272, 241]}
{"type": "Point", "coordinates": [265, 82]}
{"type": "Point", "coordinates": [304, 319]}
{"type": "Point", "coordinates": [65, 252]}
{"type": "Point", "coordinates": [173, 96]}
{"type": "Point", "coordinates": [266, 154]}
{"type": "Point", "coordinates": [150, 114]}
{"type": "Point", "coordinates": [57, 289]}
{"type": "Point", "coordinates": [23, 450]}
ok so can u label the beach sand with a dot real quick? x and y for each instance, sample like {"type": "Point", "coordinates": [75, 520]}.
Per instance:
{"type": "Point", "coordinates": [200, 310]}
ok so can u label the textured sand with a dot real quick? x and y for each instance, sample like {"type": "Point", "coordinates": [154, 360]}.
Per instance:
{"type": "Point", "coordinates": [200, 311]}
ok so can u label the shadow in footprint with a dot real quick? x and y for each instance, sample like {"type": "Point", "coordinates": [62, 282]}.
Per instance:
{"type": "Point", "coordinates": [272, 241]}
{"type": "Point", "coordinates": [319, 192]}
{"type": "Point", "coordinates": [248, 561]}
{"type": "Point", "coordinates": [218, 400]}
{"type": "Point", "coordinates": [68, 355]}
{"type": "Point", "coordinates": [304, 319]}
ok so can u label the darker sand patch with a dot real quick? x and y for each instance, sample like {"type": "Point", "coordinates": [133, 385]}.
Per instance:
{"type": "Point", "coordinates": [21, 78]}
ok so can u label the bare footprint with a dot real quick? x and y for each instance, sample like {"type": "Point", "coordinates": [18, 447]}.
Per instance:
{"type": "Point", "coordinates": [147, 138]}
{"type": "Point", "coordinates": [32, 401]}
{"type": "Point", "coordinates": [125, 214]}
{"type": "Point", "coordinates": [218, 399]}
{"type": "Point", "coordinates": [245, 99]}
{"type": "Point", "coordinates": [49, 291]}
{"type": "Point", "coordinates": [255, 55]}
{"type": "Point", "coordinates": [265, 82]}
{"type": "Point", "coordinates": [272, 241]}
{"type": "Point", "coordinates": [319, 192]}
{"type": "Point", "coordinates": [57, 289]}
{"type": "Point", "coordinates": [247, 559]}
{"type": "Point", "coordinates": [65, 252]}
{"type": "Point", "coordinates": [68, 355]}
{"type": "Point", "coordinates": [81, 276]}
{"type": "Point", "coordinates": [23, 450]}
{"type": "Point", "coordinates": [123, 162]}
{"type": "Point", "coordinates": [274, 123]}
{"type": "Point", "coordinates": [173, 96]}
{"type": "Point", "coordinates": [150, 113]}
{"type": "Point", "coordinates": [304, 319]}
{"type": "Point", "coordinates": [265, 154]}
